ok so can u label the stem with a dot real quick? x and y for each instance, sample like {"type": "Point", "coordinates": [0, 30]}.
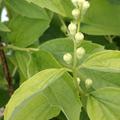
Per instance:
{"type": "Point", "coordinates": [63, 23]}
{"type": "Point", "coordinates": [19, 48]}
{"type": "Point", "coordinates": [6, 70]}
{"type": "Point", "coordinates": [28, 65]}
{"type": "Point", "coordinates": [78, 29]}
{"type": "Point", "coordinates": [78, 89]}
{"type": "Point", "coordinates": [22, 49]}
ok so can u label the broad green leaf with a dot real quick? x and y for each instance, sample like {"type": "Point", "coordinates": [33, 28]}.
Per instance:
{"type": "Point", "coordinates": [103, 68]}
{"type": "Point", "coordinates": [26, 9]}
{"type": "Point", "coordinates": [43, 96]}
{"type": "Point", "coordinates": [104, 104]}
{"type": "Point", "coordinates": [25, 31]}
{"type": "Point", "coordinates": [102, 18]}
{"type": "Point", "coordinates": [58, 47]}
{"type": "Point", "coordinates": [62, 7]}
{"type": "Point", "coordinates": [4, 28]}
{"type": "Point", "coordinates": [30, 64]}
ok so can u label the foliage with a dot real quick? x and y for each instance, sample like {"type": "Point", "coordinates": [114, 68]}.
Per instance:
{"type": "Point", "coordinates": [56, 72]}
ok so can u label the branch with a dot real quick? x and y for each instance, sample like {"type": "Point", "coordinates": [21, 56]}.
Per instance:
{"type": "Point", "coordinates": [6, 70]}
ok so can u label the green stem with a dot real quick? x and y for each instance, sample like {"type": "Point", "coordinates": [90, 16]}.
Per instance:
{"type": "Point", "coordinates": [63, 23]}
{"type": "Point", "coordinates": [20, 49]}
{"type": "Point", "coordinates": [78, 89]}
{"type": "Point", "coordinates": [78, 29]}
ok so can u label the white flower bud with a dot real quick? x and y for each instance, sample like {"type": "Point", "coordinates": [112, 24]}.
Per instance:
{"type": "Point", "coordinates": [78, 80]}
{"type": "Point", "coordinates": [79, 37]}
{"type": "Point", "coordinates": [72, 28]}
{"type": "Point", "coordinates": [67, 58]}
{"type": "Point", "coordinates": [86, 4]}
{"type": "Point", "coordinates": [75, 2]}
{"type": "Point", "coordinates": [76, 13]}
{"type": "Point", "coordinates": [80, 52]}
{"type": "Point", "coordinates": [85, 7]}
{"type": "Point", "coordinates": [88, 83]}
{"type": "Point", "coordinates": [80, 2]}
{"type": "Point", "coordinates": [63, 28]}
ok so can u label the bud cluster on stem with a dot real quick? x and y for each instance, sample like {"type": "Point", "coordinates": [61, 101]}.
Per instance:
{"type": "Point", "coordinates": [81, 8]}
{"type": "Point", "coordinates": [74, 33]}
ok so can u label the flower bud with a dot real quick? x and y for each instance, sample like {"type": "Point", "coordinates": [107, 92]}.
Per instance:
{"type": "Point", "coordinates": [67, 58]}
{"type": "Point", "coordinates": [75, 2]}
{"type": "Point", "coordinates": [72, 28]}
{"type": "Point", "coordinates": [88, 83]}
{"type": "Point", "coordinates": [80, 2]}
{"type": "Point", "coordinates": [80, 52]}
{"type": "Point", "coordinates": [63, 29]}
{"type": "Point", "coordinates": [76, 13]}
{"type": "Point", "coordinates": [85, 7]}
{"type": "Point", "coordinates": [78, 80]}
{"type": "Point", "coordinates": [79, 37]}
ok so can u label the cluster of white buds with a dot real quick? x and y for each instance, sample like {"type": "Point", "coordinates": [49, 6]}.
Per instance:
{"type": "Point", "coordinates": [82, 4]}
{"type": "Point", "coordinates": [80, 52]}
{"type": "Point", "coordinates": [67, 58]}
{"type": "Point", "coordinates": [88, 83]}
{"type": "Point", "coordinates": [72, 27]}
{"type": "Point", "coordinates": [77, 3]}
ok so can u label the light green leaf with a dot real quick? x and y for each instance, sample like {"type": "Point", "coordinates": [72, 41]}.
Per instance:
{"type": "Point", "coordinates": [53, 46]}
{"type": "Point", "coordinates": [30, 64]}
{"type": "Point", "coordinates": [104, 104]}
{"type": "Point", "coordinates": [62, 7]}
{"type": "Point", "coordinates": [25, 31]}
{"type": "Point", "coordinates": [43, 96]}
{"type": "Point", "coordinates": [103, 68]}
{"type": "Point", "coordinates": [26, 9]}
{"type": "Point", "coordinates": [102, 18]}
{"type": "Point", "coordinates": [4, 28]}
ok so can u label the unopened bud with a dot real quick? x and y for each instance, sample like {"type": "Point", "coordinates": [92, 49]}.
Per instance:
{"type": "Point", "coordinates": [78, 80]}
{"type": "Point", "coordinates": [79, 37]}
{"type": "Point", "coordinates": [80, 2]}
{"type": "Point", "coordinates": [72, 28]}
{"type": "Point", "coordinates": [76, 13]}
{"type": "Point", "coordinates": [88, 83]}
{"type": "Point", "coordinates": [63, 29]}
{"type": "Point", "coordinates": [80, 52]}
{"type": "Point", "coordinates": [85, 7]}
{"type": "Point", "coordinates": [67, 58]}
{"type": "Point", "coordinates": [75, 2]}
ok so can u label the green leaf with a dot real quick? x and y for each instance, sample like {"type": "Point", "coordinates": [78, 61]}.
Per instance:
{"type": "Point", "coordinates": [61, 7]}
{"type": "Point", "coordinates": [4, 28]}
{"type": "Point", "coordinates": [103, 68]}
{"type": "Point", "coordinates": [26, 9]}
{"type": "Point", "coordinates": [43, 96]}
{"type": "Point", "coordinates": [54, 47]}
{"type": "Point", "coordinates": [30, 64]}
{"type": "Point", "coordinates": [102, 18]}
{"type": "Point", "coordinates": [104, 104]}
{"type": "Point", "coordinates": [25, 31]}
